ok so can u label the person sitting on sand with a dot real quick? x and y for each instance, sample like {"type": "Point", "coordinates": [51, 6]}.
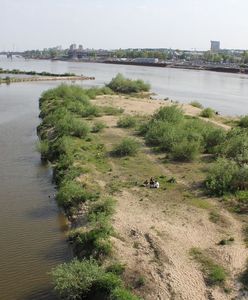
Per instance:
{"type": "Point", "coordinates": [145, 183]}
{"type": "Point", "coordinates": [152, 182]}
{"type": "Point", "coordinates": [156, 185]}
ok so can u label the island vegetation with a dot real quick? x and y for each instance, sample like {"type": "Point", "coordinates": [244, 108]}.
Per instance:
{"type": "Point", "coordinates": [99, 169]}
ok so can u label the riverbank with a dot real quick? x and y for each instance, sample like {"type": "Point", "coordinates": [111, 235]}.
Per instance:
{"type": "Point", "coordinates": [158, 240]}
{"type": "Point", "coordinates": [9, 80]}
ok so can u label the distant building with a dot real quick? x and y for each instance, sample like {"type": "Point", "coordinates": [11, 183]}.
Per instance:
{"type": "Point", "coordinates": [73, 47]}
{"type": "Point", "coordinates": [215, 46]}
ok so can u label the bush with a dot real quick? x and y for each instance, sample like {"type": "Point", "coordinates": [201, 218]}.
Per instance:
{"type": "Point", "coordinates": [235, 146]}
{"type": "Point", "coordinates": [196, 104]}
{"type": "Point", "coordinates": [127, 122]}
{"type": "Point", "coordinates": [98, 127]}
{"type": "Point", "coordinates": [185, 150]}
{"type": "Point", "coordinates": [120, 84]}
{"type": "Point", "coordinates": [171, 114]}
{"type": "Point", "coordinates": [79, 129]}
{"type": "Point", "coordinates": [122, 294]}
{"type": "Point", "coordinates": [116, 268]}
{"type": "Point", "coordinates": [127, 147]}
{"type": "Point", "coordinates": [207, 113]}
{"type": "Point", "coordinates": [93, 243]}
{"type": "Point", "coordinates": [71, 194]}
{"type": "Point", "coordinates": [213, 138]}
{"type": "Point", "coordinates": [244, 122]}
{"type": "Point", "coordinates": [74, 280]}
{"type": "Point", "coordinates": [43, 148]}
{"type": "Point", "coordinates": [220, 178]}
{"type": "Point", "coordinates": [104, 207]}
{"type": "Point", "coordinates": [111, 111]}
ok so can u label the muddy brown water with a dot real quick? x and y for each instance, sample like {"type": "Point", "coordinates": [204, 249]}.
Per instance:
{"type": "Point", "coordinates": [32, 229]}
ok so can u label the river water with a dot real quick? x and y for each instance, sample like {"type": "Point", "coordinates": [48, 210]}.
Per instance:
{"type": "Point", "coordinates": [32, 228]}
{"type": "Point", "coordinates": [226, 93]}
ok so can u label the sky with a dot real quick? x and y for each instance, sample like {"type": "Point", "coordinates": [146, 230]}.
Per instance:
{"type": "Point", "coordinates": [114, 24]}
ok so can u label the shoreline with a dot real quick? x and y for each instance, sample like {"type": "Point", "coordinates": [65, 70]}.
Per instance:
{"type": "Point", "coordinates": [9, 80]}
{"type": "Point", "coordinates": [219, 69]}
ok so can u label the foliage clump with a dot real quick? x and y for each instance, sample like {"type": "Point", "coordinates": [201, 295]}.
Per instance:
{"type": "Point", "coordinates": [120, 84]}
{"type": "Point", "coordinates": [127, 147]}
{"type": "Point", "coordinates": [207, 113]}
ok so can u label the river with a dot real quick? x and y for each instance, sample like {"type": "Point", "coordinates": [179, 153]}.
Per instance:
{"type": "Point", "coordinates": [226, 93]}
{"type": "Point", "coordinates": [32, 228]}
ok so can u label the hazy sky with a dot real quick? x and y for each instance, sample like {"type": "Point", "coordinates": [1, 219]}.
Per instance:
{"type": "Point", "coordinates": [184, 24]}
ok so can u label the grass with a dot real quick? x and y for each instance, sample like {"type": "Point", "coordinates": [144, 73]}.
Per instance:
{"type": "Point", "coordinates": [127, 122]}
{"type": "Point", "coordinates": [214, 273]}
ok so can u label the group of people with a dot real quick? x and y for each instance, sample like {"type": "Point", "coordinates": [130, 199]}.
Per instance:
{"type": "Point", "coordinates": [152, 184]}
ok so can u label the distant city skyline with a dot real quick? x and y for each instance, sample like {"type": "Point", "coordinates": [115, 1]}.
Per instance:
{"type": "Point", "coordinates": [111, 24]}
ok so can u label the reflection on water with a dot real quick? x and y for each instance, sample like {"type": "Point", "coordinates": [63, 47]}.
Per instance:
{"type": "Point", "coordinates": [227, 93]}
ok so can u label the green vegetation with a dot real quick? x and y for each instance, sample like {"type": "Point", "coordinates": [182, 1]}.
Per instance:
{"type": "Point", "coordinates": [120, 84]}
{"type": "Point", "coordinates": [207, 113]}
{"type": "Point", "coordinates": [98, 126]}
{"type": "Point", "coordinates": [127, 122]}
{"type": "Point", "coordinates": [68, 142]}
{"type": "Point", "coordinates": [243, 122]}
{"type": "Point", "coordinates": [196, 104]}
{"type": "Point", "coordinates": [86, 279]}
{"type": "Point", "coordinates": [16, 71]}
{"type": "Point", "coordinates": [184, 138]}
{"type": "Point", "coordinates": [229, 174]}
{"type": "Point", "coordinates": [214, 273]}
{"type": "Point", "coordinates": [127, 147]}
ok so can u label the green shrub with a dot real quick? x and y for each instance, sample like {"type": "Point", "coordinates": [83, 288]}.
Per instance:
{"type": "Point", "coordinates": [71, 194]}
{"type": "Point", "coordinates": [186, 150]}
{"type": "Point", "coordinates": [79, 128]}
{"type": "Point", "coordinates": [127, 147]}
{"type": "Point", "coordinates": [91, 111]}
{"type": "Point", "coordinates": [122, 294]}
{"type": "Point", "coordinates": [111, 111]}
{"type": "Point", "coordinates": [220, 178]}
{"type": "Point", "coordinates": [127, 122]}
{"type": "Point", "coordinates": [107, 283]}
{"type": "Point", "coordinates": [235, 146]}
{"type": "Point", "coordinates": [43, 148]}
{"type": "Point", "coordinates": [74, 280]}
{"type": "Point", "coordinates": [98, 126]}
{"type": "Point", "coordinates": [213, 138]}
{"type": "Point", "coordinates": [104, 207]}
{"type": "Point", "coordinates": [244, 122]}
{"type": "Point", "coordinates": [207, 113]}
{"type": "Point", "coordinates": [116, 268]}
{"type": "Point", "coordinates": [92, 243]}
{"type": "Point", "coordinates": [171, 114]}
{"type": "Point", "coordinates": [196, 104]}
{"type": "Point", "coordinates": [120, 84]}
